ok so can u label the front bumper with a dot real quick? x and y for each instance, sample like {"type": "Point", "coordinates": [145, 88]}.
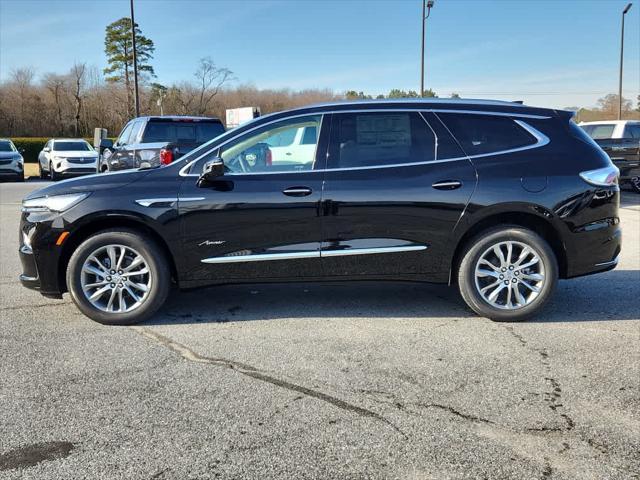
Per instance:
{"type": "Point", "coordinates": [12, 169]}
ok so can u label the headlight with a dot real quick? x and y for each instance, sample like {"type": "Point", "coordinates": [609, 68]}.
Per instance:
{"type": "Point", "coordinates": [54, 203]}
{"type": "Point", "coordinates": [59, 159]}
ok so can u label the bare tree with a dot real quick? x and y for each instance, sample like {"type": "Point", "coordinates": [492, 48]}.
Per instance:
{"type": "Point", "coordinates": [77, 75]}
{"type": "Point", "coordinates": [56, 85]}
{"type": "Point", "coordinates": [210, 79]}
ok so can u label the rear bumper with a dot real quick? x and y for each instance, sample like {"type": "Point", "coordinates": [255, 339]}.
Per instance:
{"type": "Point", "coordinates": [594, 250]}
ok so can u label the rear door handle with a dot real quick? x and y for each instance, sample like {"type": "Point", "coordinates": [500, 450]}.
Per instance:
{"type": "Point", "coordinates": [297, 191]}
{"type": "Point", "coordinates": [447, 185]}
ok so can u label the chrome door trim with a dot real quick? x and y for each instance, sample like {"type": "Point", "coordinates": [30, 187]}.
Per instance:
{"type": "Point", "coordinates": [446, 184]}
{"type": "Point", "coordinates": [262, 257]}
{"type": "Point", "coordinates": [542, 139]}
{"type": "Point", "coordinates": [371, 251]}
{"type": "Point", "coordinates": [149, 202]}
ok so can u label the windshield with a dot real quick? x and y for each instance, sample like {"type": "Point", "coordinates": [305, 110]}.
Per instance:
{"type": "Point", "coordinates": [6, 146]}
{"type": "Point", "coordinates": [599, 132]}
{"type": "Point", "coordinates": [71, 147]}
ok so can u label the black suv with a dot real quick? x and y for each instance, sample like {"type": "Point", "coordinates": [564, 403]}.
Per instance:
{"type": "Point", "coordinates": [152, 141]}
{"type": "Point", "coordinates": [499, 198]}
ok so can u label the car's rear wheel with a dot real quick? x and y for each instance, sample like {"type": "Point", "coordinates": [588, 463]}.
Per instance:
{"type": "Point", "coordinates": [507, 274]}
{"type": "Point", "coordinates": [635, 184]}
{"type": "Point", "coordinates": [118, 277]}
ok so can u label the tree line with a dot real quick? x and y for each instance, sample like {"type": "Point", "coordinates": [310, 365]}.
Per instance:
{"type": "Point", "coordinates": [73, 104]}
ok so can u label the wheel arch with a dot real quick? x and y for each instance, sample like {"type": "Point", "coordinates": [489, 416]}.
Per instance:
{"type": "Point", "coordinates": [537, 223]}
{"type": "Point", "coordinates": [99, 224]}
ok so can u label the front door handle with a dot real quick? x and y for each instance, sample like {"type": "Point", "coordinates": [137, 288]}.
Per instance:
{"type": "Point", "coordinates": [297, 191]}
{"type": "Point", "coordinates": [447, 185]}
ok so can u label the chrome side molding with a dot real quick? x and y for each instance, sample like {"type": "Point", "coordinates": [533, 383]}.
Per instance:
{"type": "Point", "coordinates": [261, 257]}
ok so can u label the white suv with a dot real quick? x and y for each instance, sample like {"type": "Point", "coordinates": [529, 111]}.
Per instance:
{"type": "Point", "coordinates": [67, 157]}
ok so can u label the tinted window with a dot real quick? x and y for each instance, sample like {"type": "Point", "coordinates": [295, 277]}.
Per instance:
{"type": "Point", "coordinates": [378, 139]}
{"type": "Point", "coordinates": [182, 132]}
{"type": "Point", "coordinates": [271, 148]}
{"type": "Point", "coordinates": [6, 146]}
{"type": "Point", "coordinates": [599, 132]}
{"type": "Point", "coordinates": [310, 136]}
{"type": "Point", "coordinates": [479, 134]}
{"type": "Point", "coordinates": [71, 146]}
{"type": "Point", "coordinates": [632, 131]}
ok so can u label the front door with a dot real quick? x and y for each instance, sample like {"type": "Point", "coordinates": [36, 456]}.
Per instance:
{"type": "Point", "coordinates": [396, 185]}
{"type": "Point", "coordinates": [261, 219]}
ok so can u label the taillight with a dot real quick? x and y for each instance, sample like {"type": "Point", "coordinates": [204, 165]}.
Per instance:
{"type": "Point", "coordinates": [166, 156]}
{"type": "Point", "coordinates": [602, 177]}
{"type": "Point", "coordinates": [268, 160]}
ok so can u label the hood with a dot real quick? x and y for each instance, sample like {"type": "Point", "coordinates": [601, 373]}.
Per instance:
{"type": "Point", "coordinates": [6, 155]}
{"type": "Point", "coordinates": [72, 154]}
{"type": "Point", "coordinates": [90, 183]}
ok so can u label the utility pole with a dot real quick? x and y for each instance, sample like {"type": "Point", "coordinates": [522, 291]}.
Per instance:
{"type": "Point", "coordinates": [135, 63]}
{"type": "Point", "coordinates": [426, 5]}
{"type": "Point", "coordinates": [624, 12]}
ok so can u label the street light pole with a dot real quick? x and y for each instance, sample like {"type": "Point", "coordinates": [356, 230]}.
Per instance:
{"type": "Point", "coordinates": [624, 12]}
{"type": "Point", "coordinates": [135, 62]}
{"type": "Point", "coordinates": [426, 5]}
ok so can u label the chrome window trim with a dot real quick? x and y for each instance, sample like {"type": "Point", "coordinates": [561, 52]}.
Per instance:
{"type": "Point", "coordinates": [262, 257]}
{"type": "Point", "coordinates": [542, 139]}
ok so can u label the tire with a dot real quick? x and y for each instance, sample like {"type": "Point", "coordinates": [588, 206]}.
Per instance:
{"type": "Point", "coordinates": [101, 310]}
{"type": "Point", "coordinates": [43, 174]}
{"type": "Point", "coordinates": [516, 301]}
{"type": "Point", "coordinates": [20, 177]}
{"type": "Point", "coordinates": [635, 184]}
{"type": "Point", "coordinates": [55, 176]}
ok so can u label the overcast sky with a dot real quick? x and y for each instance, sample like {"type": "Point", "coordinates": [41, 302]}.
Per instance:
{"type": "Point", "coordinates": [550, 53]}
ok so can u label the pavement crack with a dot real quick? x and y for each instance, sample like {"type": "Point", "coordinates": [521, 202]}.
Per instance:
{"type": "Point", "coordinates": [38, 305]}
{"type": "Point", "coordinates": [254, 373]}
{"type": "Point", "coordinates": [455, 412]}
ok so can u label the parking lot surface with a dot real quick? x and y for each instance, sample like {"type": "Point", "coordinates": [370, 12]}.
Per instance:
{"type": "Point", "coordinates": [360, 380]}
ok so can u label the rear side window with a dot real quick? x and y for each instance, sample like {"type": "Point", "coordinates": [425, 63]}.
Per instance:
{"type": "Point", "coordinates": [378, 139]}
{"type": "Point", "coordinates": [483, 134]}
{"type": "Point", "coordinates": [599, 132]}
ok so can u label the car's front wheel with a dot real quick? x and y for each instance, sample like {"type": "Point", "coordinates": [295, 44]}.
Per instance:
{"type": "Point", "coordinates": [118, 277]}
{"type": "Point", "coordinates": [507, 273]}
{"type": "Point", "coordinates": [55, 176]}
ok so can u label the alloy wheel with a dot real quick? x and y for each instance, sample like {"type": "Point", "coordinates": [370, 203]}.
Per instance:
{"type": "Point", "coordinates": [509, 275]}
{"type": "Point", "coordinates": [116, 279]}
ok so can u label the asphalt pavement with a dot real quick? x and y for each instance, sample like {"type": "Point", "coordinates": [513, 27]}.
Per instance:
{"type": "Point", "coordinates": [329, 381]}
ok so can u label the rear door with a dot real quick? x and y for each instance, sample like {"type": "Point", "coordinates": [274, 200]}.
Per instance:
{"type": "Point", "coordinates": [396, 185]}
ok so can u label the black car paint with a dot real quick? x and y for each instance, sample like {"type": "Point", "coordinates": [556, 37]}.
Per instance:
{"type": "Point", "coordinates": [238, 213]}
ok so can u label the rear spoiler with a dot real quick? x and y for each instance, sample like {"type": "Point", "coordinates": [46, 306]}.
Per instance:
{"type": "Point", "coordinates": [566, 114]}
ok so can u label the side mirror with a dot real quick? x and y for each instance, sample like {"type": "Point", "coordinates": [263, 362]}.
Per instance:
{"type": "Point", "coordinates": [212, 170]}
{"type": "Point", "coordinates": [106, 143]}
{"type": "Point", "coordinates": [46, 149]}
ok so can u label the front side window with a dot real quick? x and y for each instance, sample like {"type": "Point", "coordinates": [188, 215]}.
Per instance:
{"type": "Point", "coordinates": [135, 130]}
{"type": "Point", "coordinates": [272, 148]}
{"type": "Point", "coordinates": [483, 134]}
{"type": "Point", "coordinates": [124, 135]}
{"type": "Point", "coordinates": [71, 146]}
{"type": "Point", "coordinates": [378, 139]}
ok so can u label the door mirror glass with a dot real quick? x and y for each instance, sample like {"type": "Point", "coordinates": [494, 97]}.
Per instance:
{"type": "Point", "coordinates": [46, 149]}
{"type": "Point", "coordinates": [211, 170]}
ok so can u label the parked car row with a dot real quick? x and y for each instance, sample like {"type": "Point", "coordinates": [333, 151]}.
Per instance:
{"type": "Point", "coordinates": [497, 198]}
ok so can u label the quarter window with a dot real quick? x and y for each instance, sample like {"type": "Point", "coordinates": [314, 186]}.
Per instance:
{"type": "Point", "coordinates": [481, 134]}
{"type": "Point", "coordinates": [632, 131]}
{"type": "Point", "coordinates": [273, 148]}
{"type": "Point", "coordinates": [379, 139]}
